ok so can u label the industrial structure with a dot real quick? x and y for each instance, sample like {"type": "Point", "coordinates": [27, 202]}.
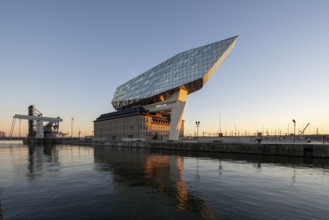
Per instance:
{"type": "Point", "coordinates": [36, 127]}
{"type": "Point", "coordinates": [2, 134]}
{"type": "Point", "coordinates": [151, 105]}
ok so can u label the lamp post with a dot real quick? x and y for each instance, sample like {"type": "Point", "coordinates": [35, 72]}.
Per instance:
{"type": "Point", "coordinates": [131, 135]}
{"type": "Point", "coordinates": [293, 120]}
{"type": "Point", "coordinates": [197, 130]}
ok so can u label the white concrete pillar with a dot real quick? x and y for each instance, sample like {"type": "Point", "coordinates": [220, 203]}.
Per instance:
{"type": "Point", "coordinates": [176, 120]}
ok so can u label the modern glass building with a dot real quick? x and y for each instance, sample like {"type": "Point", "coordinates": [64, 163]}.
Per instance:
{"type": "Point", "coordinates": [160, 93]}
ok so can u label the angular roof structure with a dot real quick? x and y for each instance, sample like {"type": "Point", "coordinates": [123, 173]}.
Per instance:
{"type": "Point", "coordinates": [188, 70]}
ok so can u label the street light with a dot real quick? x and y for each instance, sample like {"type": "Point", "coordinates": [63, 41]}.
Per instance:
{"type": "Point", "coordinates": [197, 130]}
{"type": "Point", "coordinates": [293, 120]}
{"type": "Point", "coordinates": [131, 135]}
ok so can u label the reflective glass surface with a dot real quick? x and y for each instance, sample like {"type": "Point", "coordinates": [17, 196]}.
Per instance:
{"type": "Point", "coordinates": [178, 70]}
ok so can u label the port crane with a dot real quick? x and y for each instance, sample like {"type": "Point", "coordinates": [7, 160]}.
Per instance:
{"type": "Point", "coordinates": [302, 132]}
{"type": "Point", "coordinates": [36, 127]}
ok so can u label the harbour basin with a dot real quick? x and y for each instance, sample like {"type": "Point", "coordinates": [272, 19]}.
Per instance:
{"type": "Point", "coordinates": [85, 182]}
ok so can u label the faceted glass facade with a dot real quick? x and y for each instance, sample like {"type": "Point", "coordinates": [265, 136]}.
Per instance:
{"type": "Point", "coordinates": [186, 68]}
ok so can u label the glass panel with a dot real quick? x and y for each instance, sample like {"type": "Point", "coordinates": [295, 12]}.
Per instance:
{"type": "Point", "coordinates": [181, 69]}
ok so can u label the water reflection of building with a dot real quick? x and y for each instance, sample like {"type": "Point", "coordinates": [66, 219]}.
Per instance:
{"type": "Point", "coordinates": [172, 166]}
{"type": "Point", "coordinates": [37, 157]}
{"type": "Point", "coordinates": [1, 218]}
{"type": "Point", "coordinates": [161, 172]}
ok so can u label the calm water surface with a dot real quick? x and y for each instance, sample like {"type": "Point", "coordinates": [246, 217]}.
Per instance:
{"type": "Point", "coordinates": [78, 182]}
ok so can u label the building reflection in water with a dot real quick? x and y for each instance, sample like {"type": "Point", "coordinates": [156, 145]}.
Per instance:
{"type": "Point", "coordinates": [162, 172]}
{"type": "Point", "coordinates": [38, 156]}
{"type": "Point", "coordinates": [135, 167]}
{"type": "Point", "coordinates": [168, 170]}
{"type": "Point", "coordinates": [1, 218]}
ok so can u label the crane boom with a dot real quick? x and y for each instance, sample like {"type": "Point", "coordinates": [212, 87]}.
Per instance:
{"type": "Point", "coordinates": [302, 132]}
{"type": "Point", "coordinates": [38, 118]}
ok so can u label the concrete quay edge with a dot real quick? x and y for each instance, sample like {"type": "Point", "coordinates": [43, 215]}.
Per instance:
{"type": "Point", "coordinates": [276, 149]}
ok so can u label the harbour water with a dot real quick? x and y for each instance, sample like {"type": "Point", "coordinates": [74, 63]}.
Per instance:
{"type": "Point", "coordinates": [81, 182]}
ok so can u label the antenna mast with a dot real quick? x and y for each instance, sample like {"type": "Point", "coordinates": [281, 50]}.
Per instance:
{"type": "Point", "coordinates": [72, 121]}
{"type": "Point", "coordinates": [220, 123]}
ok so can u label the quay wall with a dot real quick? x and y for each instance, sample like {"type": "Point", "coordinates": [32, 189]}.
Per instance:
{"type": "Point", "coordinates": [299, 150]}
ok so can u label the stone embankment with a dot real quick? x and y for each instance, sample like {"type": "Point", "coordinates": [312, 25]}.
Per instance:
{"type": "Point", "coordinates": [284, 149]}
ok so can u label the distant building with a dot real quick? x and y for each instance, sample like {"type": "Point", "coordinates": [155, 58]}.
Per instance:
{"type": "Point", "coordinates": [151, 105]}
{"type": "Point", "coordinates": [2, 134]}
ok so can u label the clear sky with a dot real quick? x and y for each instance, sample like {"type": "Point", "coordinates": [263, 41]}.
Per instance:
{"type": "Point", "coordinates": [67, 58]}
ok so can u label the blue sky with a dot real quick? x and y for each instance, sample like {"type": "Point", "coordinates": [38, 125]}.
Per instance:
{"type": "Point", "coordinates": [68, 57]}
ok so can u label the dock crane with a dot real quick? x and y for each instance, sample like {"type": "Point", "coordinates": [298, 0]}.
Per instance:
{"type": "Point", "coordinates": [302, 132]}
{"type": "Point", "coordinates": [36, 127]}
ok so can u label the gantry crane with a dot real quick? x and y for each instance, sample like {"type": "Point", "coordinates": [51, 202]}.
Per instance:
{"type": "Point", "coordinates": [36, 127]}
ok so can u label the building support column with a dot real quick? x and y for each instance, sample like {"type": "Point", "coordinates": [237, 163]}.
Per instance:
{"type": "Point", "coordinates": [174, 104]}
{"type": "Point", "coordinates": [176, 120]}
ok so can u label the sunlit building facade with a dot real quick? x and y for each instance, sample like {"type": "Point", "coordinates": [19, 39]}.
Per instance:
{"type": "Point", "coordinates": [151, 105]}
{"type": "Point", "coordinates": [133, 123]}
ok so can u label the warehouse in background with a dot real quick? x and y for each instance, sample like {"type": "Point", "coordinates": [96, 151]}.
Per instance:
{"type": "Point", "coordinates": [151, 105]}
